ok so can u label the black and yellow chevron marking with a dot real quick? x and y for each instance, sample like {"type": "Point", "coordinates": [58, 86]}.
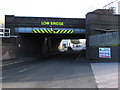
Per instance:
{"type": "Point", "coordinates": [53, 31]}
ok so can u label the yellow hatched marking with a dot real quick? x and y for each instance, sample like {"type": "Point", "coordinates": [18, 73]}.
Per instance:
{"type": "Point", "coordinates": [34, 31]}
{"type": "Point", "coordinates": [42, 31]}
{"type": "Point", "coordinates": [46, 31]}
{"type": "Point", "coordinates": [56, 31]}
{"type": "Point", "coordinates": [61, 31]}
{"type": "Point", "coordinates": [49, 31]}
{"type": "Point", "coordinates": [72, 31]}
{"type": "Point", "coordinates": [69, 31]}
{"type": "Point", "coordinates": [65, 31]}
{"type": "Point", "coordinates": [38, 31]}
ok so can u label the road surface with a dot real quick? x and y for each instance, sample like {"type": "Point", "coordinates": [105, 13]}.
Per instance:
{"type": "Point", "coordinates": [63, 70]}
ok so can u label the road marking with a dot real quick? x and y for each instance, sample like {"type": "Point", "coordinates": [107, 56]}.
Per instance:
{"type": "Point", "coordinates": [13, 63]}
{"type": "Point", "coordinates": [32, 67]}
{"type": "Point", "coordinates": [27, 69]}
{"type": "Point", "coordinates": [23, 70]}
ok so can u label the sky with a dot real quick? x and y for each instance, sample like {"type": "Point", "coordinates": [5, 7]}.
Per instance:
{"type": "Point", "coordinates": [50, 8]}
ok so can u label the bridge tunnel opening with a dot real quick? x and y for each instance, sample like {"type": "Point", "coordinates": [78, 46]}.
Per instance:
{"type": "Point", "coordinates": [41, 36]}
{"type": "Point", "coordinates": [36, 45]}
{"type": "Point", "coordinates": [43, 45]}
{"type": "Point", "coordinates": [72, 44]}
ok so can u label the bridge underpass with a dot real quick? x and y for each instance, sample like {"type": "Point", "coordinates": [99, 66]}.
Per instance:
{"type": "Point", "coordinates": [62, 70]}
{"type": "Point", "coordinates": [38, 36]}
{"type": "Point", "coordinates": [65, 70]}
{"type": "Point", "coordinates": [43, 44]}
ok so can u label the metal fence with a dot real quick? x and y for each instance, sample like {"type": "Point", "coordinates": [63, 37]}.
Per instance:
{"type": "Point", "coordinates": [105, 39]}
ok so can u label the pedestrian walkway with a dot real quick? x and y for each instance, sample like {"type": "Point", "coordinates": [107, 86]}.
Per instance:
{"type": "Point", "coordinates": [106, 74]}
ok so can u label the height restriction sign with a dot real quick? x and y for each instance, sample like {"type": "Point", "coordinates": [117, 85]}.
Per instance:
{"type": "Point", "coordinates": [104, 53]}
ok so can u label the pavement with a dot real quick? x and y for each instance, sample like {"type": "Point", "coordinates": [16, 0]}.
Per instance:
{"type": "Point", "coordinates": [64, 70]}
{"type": "Point", "coordinates": [106, 74]}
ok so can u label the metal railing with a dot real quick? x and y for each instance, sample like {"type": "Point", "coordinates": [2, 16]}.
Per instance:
{"type": "Point", "coordinates": [4, 32]}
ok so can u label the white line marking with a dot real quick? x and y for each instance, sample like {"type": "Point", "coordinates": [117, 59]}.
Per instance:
{"type": "Point", "coordinates": [32, 67]}
{"type": "Point", "coordinates": [27, 68]}
{"type": "Point", "coordinates": [13, 63]}
{"type": "Point", "coordinates": [23, 70]}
